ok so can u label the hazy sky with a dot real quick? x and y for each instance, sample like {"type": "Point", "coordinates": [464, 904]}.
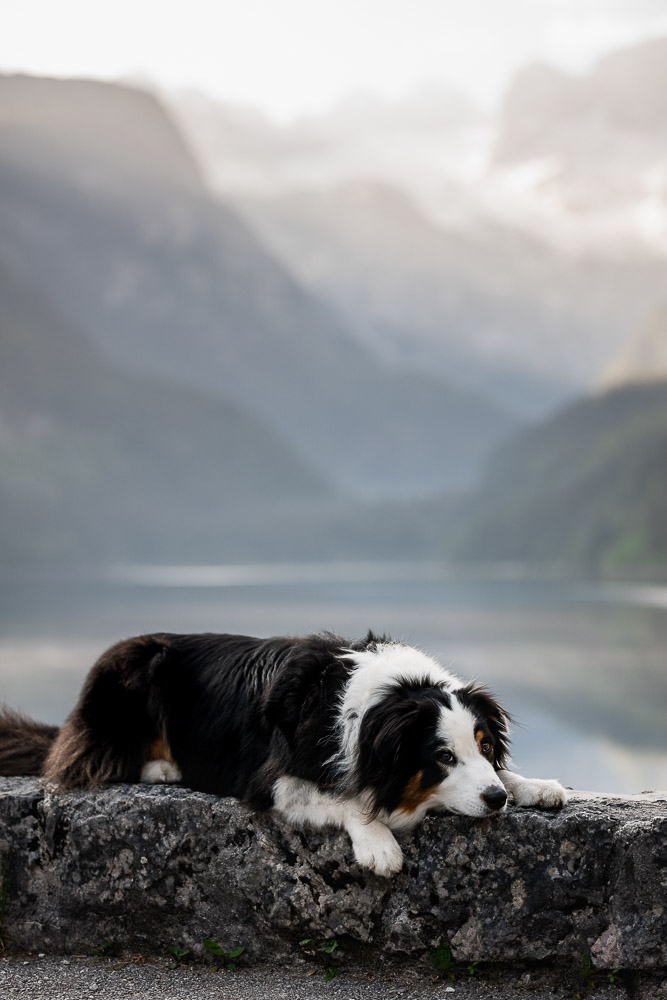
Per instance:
{"type": "Point", "coordinates": [294, 56]}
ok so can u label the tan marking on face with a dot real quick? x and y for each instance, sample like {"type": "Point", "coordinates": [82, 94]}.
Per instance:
{"type": "Point", "coordinates": [414, 794]}
{"type": "Point", "coordinates": [481, 737]}
{"type": "Point", "coordinates": [160, 750]}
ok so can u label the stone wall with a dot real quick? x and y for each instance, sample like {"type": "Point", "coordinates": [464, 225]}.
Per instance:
{"type": "Point", "coordinates": [151, 866]}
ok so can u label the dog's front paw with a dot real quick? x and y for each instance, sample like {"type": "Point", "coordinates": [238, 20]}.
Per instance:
{"type": "Point", "coordinates": [375, 847]}
{"type": "Point", "coordinates": [547, 794]}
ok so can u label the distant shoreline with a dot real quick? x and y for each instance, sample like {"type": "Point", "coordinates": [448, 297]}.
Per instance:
{"type": "Point", "coordinates": [638, 585]}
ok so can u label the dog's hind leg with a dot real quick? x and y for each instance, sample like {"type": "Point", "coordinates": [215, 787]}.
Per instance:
{"type": "Point", "coordinates": [547, 794]}
{"type": "Point", "coordinates": [301, 802]}
{"type": "Point", "coordinates": [108, 735]}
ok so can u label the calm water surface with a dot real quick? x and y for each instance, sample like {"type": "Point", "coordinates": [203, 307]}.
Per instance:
{"type": "Point", "coordinates": [581, 666]}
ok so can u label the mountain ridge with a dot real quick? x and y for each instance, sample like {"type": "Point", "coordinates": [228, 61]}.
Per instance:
{"type": "Point", "coordinates": [586, 488]}
{"type": "Point", "coordinates": [101, 465]}
{"type": "Point", "coordinates": [182, 288]}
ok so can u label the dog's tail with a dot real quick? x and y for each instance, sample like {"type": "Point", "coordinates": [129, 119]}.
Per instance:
{"type": "Point", "coordinates": [24, 744]}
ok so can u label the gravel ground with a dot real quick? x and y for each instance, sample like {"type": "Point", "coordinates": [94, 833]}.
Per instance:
{"type": "Point", "coordinates": [57, 978]}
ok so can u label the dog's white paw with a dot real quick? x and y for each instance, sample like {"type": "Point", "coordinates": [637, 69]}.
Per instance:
{"type": "Point", "coordinates": [547, 794]}
{"type": "Point", "coordinates": [157, 772]}
{"type": "Point", "coordinates": [375, 847]}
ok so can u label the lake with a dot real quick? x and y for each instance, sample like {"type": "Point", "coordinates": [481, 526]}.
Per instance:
{"type": "Point", "coordinates": [582, 666]}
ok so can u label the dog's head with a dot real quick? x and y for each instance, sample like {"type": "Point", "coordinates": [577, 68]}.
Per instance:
{"type": "Point", "coordinates": [426, 744]}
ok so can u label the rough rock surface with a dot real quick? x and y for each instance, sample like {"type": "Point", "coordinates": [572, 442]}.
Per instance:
{"type": "Point", "coordinates": [153, 866]}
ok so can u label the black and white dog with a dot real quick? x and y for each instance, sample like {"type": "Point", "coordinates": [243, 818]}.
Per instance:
{"type": "Point", "coordinates": [366, 736]}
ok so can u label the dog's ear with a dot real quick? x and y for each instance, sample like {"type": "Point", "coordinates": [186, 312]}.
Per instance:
{"type": "Point", "coordinates": [388, 736]}
{"type": "Point", "coordinates": [385, 728]}
{"type": "Point", "coordinates": [494, 718]}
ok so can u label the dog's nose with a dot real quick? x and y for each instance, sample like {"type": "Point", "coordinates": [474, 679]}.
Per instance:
{"type": "Point", "coordinates": [495, 798]}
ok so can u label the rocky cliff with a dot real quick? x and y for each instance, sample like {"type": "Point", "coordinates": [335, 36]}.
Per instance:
{"type": "Point", "coordinates": [148, 867]}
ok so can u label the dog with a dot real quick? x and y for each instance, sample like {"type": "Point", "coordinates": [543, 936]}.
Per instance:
{"type": "Point", "coordinates": [366, 735]}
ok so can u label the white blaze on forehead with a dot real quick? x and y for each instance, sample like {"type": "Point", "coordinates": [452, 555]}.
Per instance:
{"type": "Point", "coordinates": [456, 728]}
{"type": "Point", "coordinates": [376, 669]}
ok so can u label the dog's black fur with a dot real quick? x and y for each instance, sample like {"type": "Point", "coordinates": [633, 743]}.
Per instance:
{"type": "Point", "coordinates": [367, 735]}
{"type": "Point", "coordinates": [236, 713]}
{"type": "Point", "coordinates": [228, 707]}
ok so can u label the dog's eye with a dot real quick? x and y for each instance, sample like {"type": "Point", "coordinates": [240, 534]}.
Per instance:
{"type": "Point", "coordinates": [486, 747]}
{"type": "Point", "coordinates": [446, 757]}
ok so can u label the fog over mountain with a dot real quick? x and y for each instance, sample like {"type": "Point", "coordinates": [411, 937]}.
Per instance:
{"type": "Point", "coordinates": [577, 160]}
{"type": "Point", "coordinates": [517, 254]}
{"type": "Point", "coordinates": [503, 310]}
{"type": "Point", "coordinates": [101, 464]}
{"type": "Point", "coordinates": [309, 341]}
{"type": "Point", "coordinates": [644, 357]}
{"type": "Point", "coordinates": [409, 143]}
{"type": "Point", "coordinates": [602, 152]}
{"type": "Point", "coordinates": [172, 284]}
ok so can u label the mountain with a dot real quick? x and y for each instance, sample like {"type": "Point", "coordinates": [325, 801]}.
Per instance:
{"type": "Point", "coordinates": [537, 237]}
{"type": "Point", "coordinates": [172, 284]}
{"type": "Point", "coordinates": [624, 92]}
{"type": "Point", "coordinates": [99, 464]}
{"type": "Point", "coordinates": [101, 137]}
{"type": "Point", "coordinates": [501, 311]}
{"type": "Point", "coordinates": [588, 487]}
{"type": "Point", "coordinates": [596, 141]}
{"type": "Point", "coordinates": [413, 292]}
